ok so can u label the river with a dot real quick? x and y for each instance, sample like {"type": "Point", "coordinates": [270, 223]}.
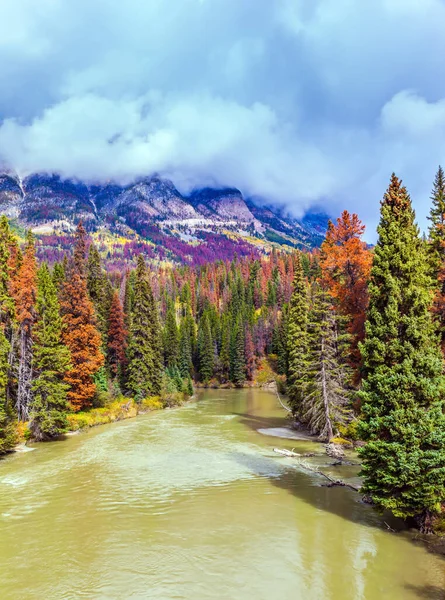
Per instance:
{"type": "Point", "coordinates": [193, 503]}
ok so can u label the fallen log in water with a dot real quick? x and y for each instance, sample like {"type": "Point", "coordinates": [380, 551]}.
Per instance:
{"type": "Point", "coordinates": [289, 453]}
{"type": "Point", "coordinates": [332, 482]}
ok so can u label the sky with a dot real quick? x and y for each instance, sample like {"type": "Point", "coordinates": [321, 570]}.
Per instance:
{"type": "Point", "coordinates": [301, 102]}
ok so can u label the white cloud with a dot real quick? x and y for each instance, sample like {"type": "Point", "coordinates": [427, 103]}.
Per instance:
{"type": "Point", "coordinates": [297, 102]}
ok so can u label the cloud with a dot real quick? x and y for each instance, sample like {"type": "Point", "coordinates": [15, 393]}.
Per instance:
{"type": "Point", "coordinates": [300, 103]}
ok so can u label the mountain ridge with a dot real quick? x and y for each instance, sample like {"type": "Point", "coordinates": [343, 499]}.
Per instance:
{"type": "Point", "coordinates": [153, 209]}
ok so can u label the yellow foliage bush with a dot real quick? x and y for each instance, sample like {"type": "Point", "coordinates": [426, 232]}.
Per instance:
{"type": "Point", "coordinates": [152, 403]}
{"type": "Point", "coordinates": [115, 411]}
{"type": "Point", "coordinates": [340, 441]}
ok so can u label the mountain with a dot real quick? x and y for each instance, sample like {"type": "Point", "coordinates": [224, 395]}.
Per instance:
{"type": "Point", "coordinates": [206, 225]}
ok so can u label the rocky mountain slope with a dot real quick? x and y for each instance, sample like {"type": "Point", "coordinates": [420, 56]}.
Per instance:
{"type": "Point", "coordinates": [152, 209]}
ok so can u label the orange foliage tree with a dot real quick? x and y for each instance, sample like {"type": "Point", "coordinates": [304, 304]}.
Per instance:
{"type": "Point", "coordinates": [117, 336]}
{"type": "Point", "coordinates": [345, 263]}
{"type": "Point", "coordinates": [83, 339]}
{"type": "Point", "coordinates": [24, 293]}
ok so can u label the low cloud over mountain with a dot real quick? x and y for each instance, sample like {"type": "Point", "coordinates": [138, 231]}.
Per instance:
{"type": "Point", "coordinates": [298, 102]}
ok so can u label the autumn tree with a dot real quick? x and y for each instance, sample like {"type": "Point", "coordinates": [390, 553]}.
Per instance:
{"type": "Point", "coordinates": [51, 361]}
{"type": "Point", "coordinates": [117, 337]}
{"type": "Point", "coordinates": [25, 300]}
{"type": "Point", "coordinates": [345, 264]}
{"type": "Point", "coordinates": [81, 336]}
{"type": "Point", "coordinates": [403, 387]}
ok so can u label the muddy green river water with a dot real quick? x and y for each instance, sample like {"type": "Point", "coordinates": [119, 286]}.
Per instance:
{"type": "Point", "coordinates": [193, 503]}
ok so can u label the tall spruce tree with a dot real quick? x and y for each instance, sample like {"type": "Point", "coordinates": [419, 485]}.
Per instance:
{"type": "Point", "coordinates": [297, 340]}
{"type": "Point", "coordinates": [237, 353]}
{"type": "Point", "coordinates": [185, 360]}
{"type": "Point", "coordinates": [326, 402]}
{"type": "Point", "coordinates": [205, 349]}
{"type": "Point", "coordinates": [51, 361]}
{"type": "Point", "coordinates": [437, 227]}
{"type": "Point", "coordinates": [171, 337]}
{"type": "Point", "coordinates": [436, 250]}
{"type": "Point", "coordinates": [144, 349]}
{"type": "Point", "coordinates": [403, 390]}
{"type": "Point", "coordinates": [8, 432]}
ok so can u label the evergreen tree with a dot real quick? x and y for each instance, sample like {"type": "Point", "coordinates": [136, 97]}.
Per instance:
{"type": "Point", "coordinates": [10, 263]}
{"type": "Point", "coordinates": [8, 432]}
{"type": "Point", "coordinates": [437, 227]}
{"type": "Point", "coordinates": [128, 299]}
{"type": "Point", "coordinates": [171, 337]}
{"type": "Point", "coordinates": [224, 355]}
{"type": "Point", "coordinates": [185, 361]}
{"type": "Point", "coordinates": [297, 342]}
{"type": "Point", "coordinates": [326, 402]}
{"type": "Point", "coordinates": [403, 418]}
{"type": "Point", "coordinates": [249, 353]}
{"type": "Point", "coordinates": [237, 356]}
{"type": "Point", "coordinates": [279, 342]}
{"type": "Point", "coordinates": [58, 276]}
{"type": "Point", "coordinates": [205, 349]}
{"type": "Point", "coordinates": [436, 250]}
{"type": "Point", "coordinates": [51, 361]}
{"type": "Point", "coordinates": [144, 349]}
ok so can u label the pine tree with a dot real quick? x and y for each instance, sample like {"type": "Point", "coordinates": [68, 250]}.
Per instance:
{"type": "Point", "coordinates": [10, 262]}
{"type": "Point", "coordinates": [25, 299]}
{"type": "Point", "coordinates": [237, 356]}
{"type": "Point", "coordinates": [436, 250]}
{"type": "Point", "coordinates": [326, 402]}
{"type": "Point", "coordinates": [117, 337]}
{"type": "Point", "coordinates": [51, 361]}
{"type": "Point", "coordinates": [81, 336]}
{"type": "Point", "coordinates": [8, 432]}
{"type": "Point", "coordinates": [437, 227]}
{"type": "Point", "coordinates": [403, 418]}
{"type": "Point", "coordinates": [97, 284]}
{"type": "Point", "coordinates": [58, 276]}
{"type": "Point", "coordinates": [144, 349]}
{"type": "Point", "coordinates": [224, 355]}
{"type": "Point", "coordinates": [249, 353]}
{"type": "Point", "coordinates": [185, 361]}
{"type": "Point", "coordinates": [171, 337]}
{"type": "Point", "coordinates": [205, 349]}
{"type": "Point", "coordinates": [297, 342]}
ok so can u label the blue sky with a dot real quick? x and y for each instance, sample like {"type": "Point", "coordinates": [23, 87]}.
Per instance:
{"type": "Point", "coordinates": [297, 101]}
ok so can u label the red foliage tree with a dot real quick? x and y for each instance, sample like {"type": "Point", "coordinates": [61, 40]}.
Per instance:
{"type": "Point", "coordinates": [117, 335]}
{"type": "Point", "coordinates": [345, 264]}
{"type": "Point", "coordinates": [24, 293]}
{"type": "Point", "coordinates": [83, 339]}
